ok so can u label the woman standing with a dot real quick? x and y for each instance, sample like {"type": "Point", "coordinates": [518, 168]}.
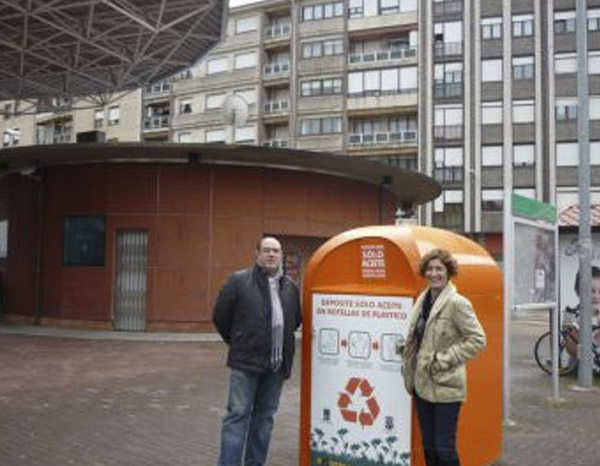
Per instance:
{"type": "Point", "coordinates": [444, 332]}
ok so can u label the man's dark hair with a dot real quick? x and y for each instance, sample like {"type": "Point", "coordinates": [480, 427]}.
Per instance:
{"type": "Point", "coordinates": [595, 274]}
{"type": "Point", "coordinates": [262, 238]}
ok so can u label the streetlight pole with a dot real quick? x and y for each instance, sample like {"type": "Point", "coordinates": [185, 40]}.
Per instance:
{"type": "Point", "coordinates": [585, 233]}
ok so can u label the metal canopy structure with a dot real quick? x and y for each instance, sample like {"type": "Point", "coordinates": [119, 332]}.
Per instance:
{"type": "Point", "coordinates": [66, 48]}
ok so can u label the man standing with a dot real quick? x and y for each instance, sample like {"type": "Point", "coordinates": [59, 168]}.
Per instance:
{"type": "Point", "coordinates": [256, 313]}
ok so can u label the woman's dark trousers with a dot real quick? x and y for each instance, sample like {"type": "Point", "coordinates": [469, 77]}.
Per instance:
{"type": "Point", "coordinates": [438, 423]}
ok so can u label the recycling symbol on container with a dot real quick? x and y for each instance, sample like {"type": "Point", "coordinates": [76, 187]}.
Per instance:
{"type": "Point", "coordinates": [358, 392]}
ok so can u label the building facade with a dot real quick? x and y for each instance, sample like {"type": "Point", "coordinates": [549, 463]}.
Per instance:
{"type": "Point", "coordinates": [58, 120]}
{"type": "Point", "coordinates": [457, 89]}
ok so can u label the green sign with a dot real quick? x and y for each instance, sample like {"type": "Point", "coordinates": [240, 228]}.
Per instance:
{"type": "Point", "coordinates": [530, 208]}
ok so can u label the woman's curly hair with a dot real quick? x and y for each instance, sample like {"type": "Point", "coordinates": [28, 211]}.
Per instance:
{"type": "Point", "coordinates": [445, 258]}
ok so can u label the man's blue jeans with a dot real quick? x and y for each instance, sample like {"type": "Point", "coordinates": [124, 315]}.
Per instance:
{"type": "Point", "coordinates": [247, 426]}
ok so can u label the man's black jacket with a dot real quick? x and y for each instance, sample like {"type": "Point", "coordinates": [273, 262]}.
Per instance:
{"type": "Point", "coordinates": [242, 316]}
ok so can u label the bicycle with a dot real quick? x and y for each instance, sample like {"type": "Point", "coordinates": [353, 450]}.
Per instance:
{"type": "Point", "coordinates": [568, 341]}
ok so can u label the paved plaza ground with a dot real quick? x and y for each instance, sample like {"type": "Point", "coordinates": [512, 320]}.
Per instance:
{"type": "Point", "coordinates": [78, 398]}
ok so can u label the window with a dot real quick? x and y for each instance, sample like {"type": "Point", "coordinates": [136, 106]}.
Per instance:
{"type": "Point", "coordinates": [491, 113]}
{"type": "Point", "coordinates": [245, 134]}
{"type": "Point", "coordinates": [492, 200]}
{"type": "Point", "coordinates": [214, 101]}
{"type": "Point", "coordinates": [245, 60]}
{"type": "Point", "coordinates": [113, 116]}
{"type": "Point", "coordinates": [83, 241]}
{"type": "Point", "coordinates": [378, 82]}
{"type": "Point", "coordinates": [321, 125]}
{"type": "Point", "coordinates": [246, 24]}
{"type": "Point", "coordinates": [389, 7]}
{"type": "Point", "coordinates": [566, 108]}
{"type": "Point", "coordinates": [98, 118]}
{"type": "Point", "coordinates": [448, 121]}
{"type": "Point", "coordinates": [448, 79]}
{"type": "Point", "coordinates": [449, 163]}
{"type": "Point", "coordinates": [564, 22]}
{"type": "Point", "coordinates": [491, 28]}
{"type": "Point", "coordinates": [12, 137]}
{"type": "Point", "coordinates": [185, 106]}
{"type": "Point", "coordinates": [491, 70]}
{"type": "Point", "coordinates": [448, 209]}
{"type": "Point", "coordinates": [321, 87]}
{"type": "Point", "coordinates": [322, 48]}
{"type": "Point", "coordinates": [3, 240]}
{"type": "Point", "coordinates": [216, 65]}
{"type": "Point", "coordinates": [567, 154]}
{"type": "Point", "coordinates": [185, 137]}
{"type": "Point", "coordinates": [523, 154]}
{"type": "Point", "coordinates": [322, 11]}
{"type": "Point", "coordinates": [594, 63]}
{"type": "Point", "coordinates": [526, 192]}
{"type": "Point", "coordinates": [522, 25]}
{"type": "Point", "coordinates": [448, 38]}
{"type": "Point", "coordinates": [215, 135]}
{"type": "Point", "coordinates": [491, 156]}
{"type": "Point", "coordinates": [523, 67]}
{"type": "Point", "coordinates": [594, 107]}
{"type": "Point", "coordinates": [355, 8]}
{"type": "Point", "coordinates": [565, 63]}
{"type": "Point", "coordinates": [523, 111]}
{"type": "Point", "coordinates": [593, 19]}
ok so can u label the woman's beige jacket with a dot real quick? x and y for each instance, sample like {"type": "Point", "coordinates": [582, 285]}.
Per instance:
{"type": "Point", "coordinates": [452, 335]}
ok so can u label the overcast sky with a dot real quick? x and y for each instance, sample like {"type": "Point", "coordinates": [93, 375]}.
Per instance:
{"type": "Point", "coordinates": [241, 2]}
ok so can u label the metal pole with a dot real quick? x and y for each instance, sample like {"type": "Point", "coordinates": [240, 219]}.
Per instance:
{"type": "Point", "coordinates": [585, 242]}
{"type": "Point", "coordinates": [508, 227]}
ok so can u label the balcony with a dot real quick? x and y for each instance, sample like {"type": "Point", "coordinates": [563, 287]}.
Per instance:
{"type": "Point", "coordinates": [382, 56]}
{"type": "Point", "coordinates": [443, 90]}
{"type": "Point", "coordinates": [158, 88]}
{"type": "Point", "coordinates": [279, 31]}
{"type": "Point", "coordinates": [448, 132]}
{"type": "Point", "coordinates": [371, 139]}
{"type": "Point", "coordinates": [449, 174]}
{"type": "Point", "coordinates": [276, 106]}
{"type": "Point", "coordinates": [276, 69]}
{"type": "Point", "coordinates": [54, 137]}
{"type": "Point", "coordinates": [447, 49]}
{"type": "Point", "coordinates": [157, 122]}
{"type": "Point", "coordinates": [276, 143]}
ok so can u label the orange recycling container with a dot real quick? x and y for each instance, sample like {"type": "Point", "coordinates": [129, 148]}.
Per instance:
{"type": "Point", "coordinates": [358, 293]}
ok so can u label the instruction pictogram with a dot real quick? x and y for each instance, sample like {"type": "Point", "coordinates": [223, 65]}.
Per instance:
{"type": "Point", "coordinates": [358, 392]}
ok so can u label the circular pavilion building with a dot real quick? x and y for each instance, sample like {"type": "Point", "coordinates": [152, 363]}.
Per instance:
{"type": "Point", "coordinates": [142, 236]}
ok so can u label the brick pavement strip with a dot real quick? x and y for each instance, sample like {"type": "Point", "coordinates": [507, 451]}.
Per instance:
{"type": "Point", "coordinates": [115, 403]}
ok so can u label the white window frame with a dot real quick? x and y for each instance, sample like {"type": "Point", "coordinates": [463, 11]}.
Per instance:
{"type": "Point", "coordinates": [217, 65]}
{"type": "Point", "coordinates": [245, 60]}
{"type": "Point", "coordinates": [523, 155]}
{"type": "Point", "coordinates": [491, 70]}
{"type": "Point", "coordinates": [523, 111]}
{"type": "Point", "coordinates": [492, 156]}
{"type": "Point", "coordinates": [246, 24]}
{"type": "Point", "coordinates": [491, 113]}
{"type": "Point", "coordinates": [491, 28]}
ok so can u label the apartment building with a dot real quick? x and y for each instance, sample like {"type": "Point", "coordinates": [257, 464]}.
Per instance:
{"type": "Point", "coordinates": [457, 89]}
{"type": "Point", "coordinates": [58, 120]}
